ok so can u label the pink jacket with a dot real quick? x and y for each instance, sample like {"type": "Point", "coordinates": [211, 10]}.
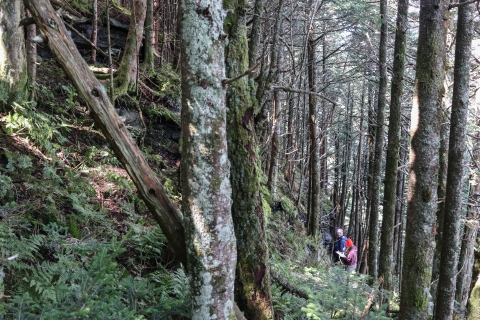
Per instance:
{"type": "Point", "coordinates": [351, 254]}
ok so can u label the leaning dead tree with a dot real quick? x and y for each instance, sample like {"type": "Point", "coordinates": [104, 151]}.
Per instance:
{"type": "Point", "coordinates": [106, 118]}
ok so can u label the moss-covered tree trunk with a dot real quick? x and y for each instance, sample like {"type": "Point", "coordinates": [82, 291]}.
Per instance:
{"type": "Point", "coordinates": [252, 284]}
{"type": "Point", "coordinates": [423, 178]}
{"type": "Point", "coordinates": [13, 67]}
{"type": "Point", "coordinates": [149, 58]}
{"type": "Point", "coordinates": [456, 150]}
{"type": "Point", "coordinates": [126, 76]}
{"type": "Point", "coordinates": [206, 196]}
{"type": "Point", "coordinates": [391, 166]}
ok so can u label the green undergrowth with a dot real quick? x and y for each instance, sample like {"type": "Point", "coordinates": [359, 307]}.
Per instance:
{"type": "Point", "coordinates": [305, 265]}
{"type": "Point", "coordinates": [84, 243]}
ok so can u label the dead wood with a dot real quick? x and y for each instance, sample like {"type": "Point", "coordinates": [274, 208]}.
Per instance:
{"type": "Point", "coordinates": [95, 96]}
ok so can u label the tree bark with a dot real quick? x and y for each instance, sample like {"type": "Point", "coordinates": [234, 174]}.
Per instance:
{"type": "Point", "coordinates": [206, 190]}
{"type": "Point", "coordinates": [466, 260]}
{"type": "Point", "coordinates": [31, 53]}
{"type": "Point", "coordinates": [441, 189]}
{"type": "Point", "coordinates": [391, 165]}
{"type": "Point", "coordinates": [314, 181]}
{"type": "Point", "coordinates": [254, 43]}
{"type": "Point", "coordinates": [13, 66]}
{"type": "Point", "coordinates": [93, 57]}
{"type": "Point", "coordinates": [127, 72]}
{"type": "Point", "coordinates": [276, 134]}
{"type": "Point", "coordinates": [423, 178]}
{"type": "Point", "coordinates": [252, 283]}
{"type": "Point", "coordinates": [379, 139]}
{"type": "Point", "coordinates": [456, 150]}
{"type": "Point", "coordinates": [149, 58]}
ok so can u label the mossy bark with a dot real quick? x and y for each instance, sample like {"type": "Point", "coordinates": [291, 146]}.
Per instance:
{"type": "Point", "coordinates": [13, 66]}
{"type": "Point", "coordinates": [149, 58]}
{"type": "Point", "coordinates": [252, 284]}
{"type": "Point", "coordinates": [423, 178]}
{"type": "Point", "coordinates": [126, 75]}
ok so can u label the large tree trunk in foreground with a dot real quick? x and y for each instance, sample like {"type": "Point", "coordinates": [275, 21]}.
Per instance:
{"type": "Point", "coordinates": [105, 116]}
{"type": "Point", "coordinates": [206, 196]}
{"type": "Point", "coordinates": [13, 75]}
{"type": "Point", "coordinates": [456, 150]}
{"type": "Point", "coordinates": [423, 179]}
{"type": "Point", "coordinates": [252, 284]}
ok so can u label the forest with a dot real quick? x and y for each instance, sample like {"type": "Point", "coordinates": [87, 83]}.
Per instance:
{"type": "Point", "coordinates": [239, 159]}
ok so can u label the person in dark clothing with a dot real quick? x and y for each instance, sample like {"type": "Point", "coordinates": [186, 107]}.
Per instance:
{"type": "Point", "coordinates": [349, 257]}
{"type": "Point", "coordinates": [339, 245]}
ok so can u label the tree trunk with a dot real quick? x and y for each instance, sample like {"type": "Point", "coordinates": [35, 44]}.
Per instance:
{"type": "Point", "coordinates": [93, 57]}
{"type": "Point", "coordinates": [441, 189]}
{"type": "Point", "coordinates": [391, 165]}
{"type": "Point", "coordinates": [13, 66]}
{"type": "Point", "coordinates": [456, 150]}
{"type": "Point", "coordinates": [314, 189]}
{"type": "Point", "coordinates": [290, 151]}
{"type": "Point", "coordinates": [206, 190]}
{"type": "Point", "coordinates": [276, 134]}
{"type": "Point", "coordinates": [127, 73]}
{"type": "Point", "coordinates": [466, 260]}
{"type": "Point", "coordinates": [363, 254]}
{"type": "Point", "coordinates": [399, 216]}
{"type": "Point", "coordinates": [254, 43]}
{"type": "Point", "coordinates": [423, 178]}
{"type": "Point", "coordinates": [252, 283]}
{"type": "Point", "coordinates": [149, 58]}
{"type": "Point", "coordinates": [379, 137]}
{"type": "Point", "coordinates": [31, 52]}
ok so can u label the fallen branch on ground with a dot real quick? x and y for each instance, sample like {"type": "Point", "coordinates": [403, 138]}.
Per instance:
{"type": "Point", "coordinates": [288, 287]}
